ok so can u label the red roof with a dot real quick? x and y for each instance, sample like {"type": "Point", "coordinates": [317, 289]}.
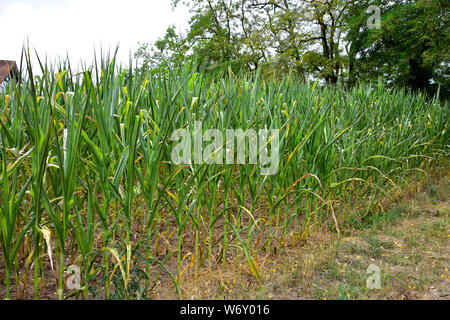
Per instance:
{"type": "Point", "coordinates": [8, 69]}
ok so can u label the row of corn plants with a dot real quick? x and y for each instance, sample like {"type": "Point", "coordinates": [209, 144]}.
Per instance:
{"type": "Point", "coordinates": [87, 179]}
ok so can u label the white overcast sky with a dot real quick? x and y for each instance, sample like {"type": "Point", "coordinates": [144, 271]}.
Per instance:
{"type": "Point", "coordinates": [76, 27]}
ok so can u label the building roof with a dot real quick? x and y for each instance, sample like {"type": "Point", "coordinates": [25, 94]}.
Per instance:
{"type": "Point", "coordinates": [8, 69]}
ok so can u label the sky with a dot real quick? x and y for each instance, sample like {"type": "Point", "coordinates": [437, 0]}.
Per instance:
{"type": "Point", "coordinates": [56, 28]}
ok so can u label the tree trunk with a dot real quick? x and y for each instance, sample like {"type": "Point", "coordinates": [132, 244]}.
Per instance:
{"type": "Point", "coordinates": [419, 76]}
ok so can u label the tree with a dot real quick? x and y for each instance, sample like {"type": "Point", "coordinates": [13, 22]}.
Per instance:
{"type": "Point", "coordinates": [288, 35]}
{"type": "Point", "coordinates": [319, 39]}
{"type": "Point", "coordinates": [327, 19]}
{"type": "Point", "coordinates": [410, 49]}
{"type": "Point", "coordinates": [165, 52]}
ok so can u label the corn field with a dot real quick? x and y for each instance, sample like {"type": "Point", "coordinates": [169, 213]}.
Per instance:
{"type": "Point", "coordinates": [87, 179]}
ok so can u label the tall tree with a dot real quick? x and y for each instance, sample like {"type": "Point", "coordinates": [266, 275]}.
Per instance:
{"type": "Point", "coordinates": [410, 49]}
{"type": "Point", "coordinates": [327, 21]}
{"type": "Point", "coordinates": [321, 39]}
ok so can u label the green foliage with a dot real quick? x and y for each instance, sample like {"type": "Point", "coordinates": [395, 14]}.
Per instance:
{"type": "Point", "coordinates": [320, 39]}
{"type": "Point", "coordinates": [410, 50]}
{"type": "Point", "coordinates": [87, 157]}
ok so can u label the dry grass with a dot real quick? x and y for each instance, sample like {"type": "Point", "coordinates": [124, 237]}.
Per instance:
{"type": "Point", "coordinates": [409, 243]}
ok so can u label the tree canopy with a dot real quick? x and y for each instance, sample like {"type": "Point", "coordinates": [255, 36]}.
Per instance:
{"type": "Point", "coordinates": [334, 41]}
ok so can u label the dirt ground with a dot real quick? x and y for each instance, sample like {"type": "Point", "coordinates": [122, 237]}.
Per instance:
{"type": "Point", "coordinates": [408, 243]}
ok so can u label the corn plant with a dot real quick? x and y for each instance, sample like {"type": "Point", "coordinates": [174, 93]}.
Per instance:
{"type": "Point", "coordinates": [86, 157]}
